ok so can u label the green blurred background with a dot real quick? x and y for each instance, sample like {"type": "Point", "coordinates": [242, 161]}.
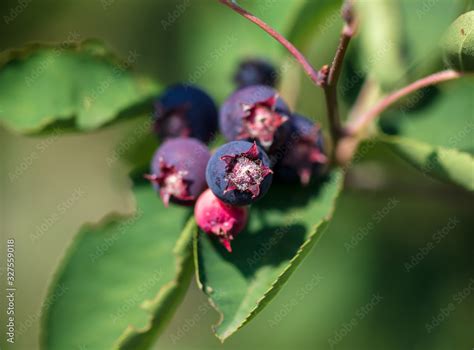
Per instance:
{"type": "Point", "coordinates": [353, 291]}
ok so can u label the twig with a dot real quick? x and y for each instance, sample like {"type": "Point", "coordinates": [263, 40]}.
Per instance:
{"type": "Point", "coordinates": [315, 75]}
{"type": "Point", "coordinates": [363, 120]}
{"type": "Point", "coordinates": [333, 72]}
{"type": "Point", "coordinates": [347, 33]}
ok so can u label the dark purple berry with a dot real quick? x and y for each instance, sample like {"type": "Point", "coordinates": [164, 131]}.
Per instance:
{"type": "Point", "coordinates": [178, 170]}
{"type": "Point", "coordinates": [239, 173]}
{"type": "Point", "coordinates": [255, 113]}
{"type": "Point", "coordinates": [255, 71]}
{"type": "Point", "coordinates": [185, 111]}
{"type": "Point", "coordinates": [302, 157]}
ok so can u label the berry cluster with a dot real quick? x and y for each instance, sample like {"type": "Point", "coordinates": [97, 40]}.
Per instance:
{"type": "Point", "coordinates": [266, 141]}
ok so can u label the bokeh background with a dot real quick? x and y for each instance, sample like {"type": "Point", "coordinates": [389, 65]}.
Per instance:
{"type": "Point", "coordinates": [354, 290]}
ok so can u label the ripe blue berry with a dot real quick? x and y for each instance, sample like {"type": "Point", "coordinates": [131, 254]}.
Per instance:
{"type": "Point", "coordinates": [185, 111]}
{"type": "Point", "coordinates": [219, 219]}
{"type": "Point", "coordinates": [255, 71]}
{"type": "Point", "coordinates": [255, 113]}
{"type": "Point", "coordinates": [302, 157]}
{"type": "Point", "coordinates": [239, 173]}
{"type": "Point", "coordinates": [178, 170]}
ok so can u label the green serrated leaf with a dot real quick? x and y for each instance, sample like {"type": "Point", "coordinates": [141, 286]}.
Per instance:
{"type": "Point", "coordinates": [168, 298]}
{"type": "Point", "coordinates": [438, 138]}
{"type": "Point", "coordinates": [458, 43]}
{"type": "Point", "coordinates": [439, 162]}
{"type": "Point", "coordinates": [119, 284]}
{"type": "Point", "coordinates": [283, 227]}
{"type": "Point", "coordinates": [75, 86]}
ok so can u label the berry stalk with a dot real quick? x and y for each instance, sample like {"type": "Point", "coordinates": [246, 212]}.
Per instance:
{"type": "Point", "coordinates": [314, 74]}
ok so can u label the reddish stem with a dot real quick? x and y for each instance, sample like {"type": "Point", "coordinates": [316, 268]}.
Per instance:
{"type": "Point", "coordinates": [315, 76]}
{"type": "Point", "coordinates": [331, 75]}
{"type": "Point", "coordinates": [363, 120]}
{"type": "Point", "coordinates": [348, 32]}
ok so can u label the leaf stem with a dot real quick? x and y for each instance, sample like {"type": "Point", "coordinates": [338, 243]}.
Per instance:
{"type": "Point", "coordinates": [315, 75]}
{"type": "Point", "coordinates": [362, 121]}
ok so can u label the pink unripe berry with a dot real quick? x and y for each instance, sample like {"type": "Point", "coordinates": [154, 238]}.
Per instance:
{"type": "Point", "coordinates": [219, 219]}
